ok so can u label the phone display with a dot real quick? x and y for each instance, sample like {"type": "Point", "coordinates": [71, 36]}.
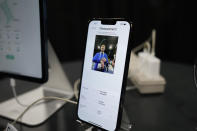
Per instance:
{"type": "Point", "coordinates": [103, 72]}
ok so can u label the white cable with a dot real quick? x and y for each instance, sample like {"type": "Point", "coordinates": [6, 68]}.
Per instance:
{"type": "Point", "coordinates": [76, 91]}
{"type": "Point", "coordinates": [13, 85]}
{"type": "Point", "coordinates": [147, 43]}
{"type": "Point", "coordinates": [153, 42]}
{"type": "Point", "coordinates": [195, 76]}
{"type": "Point", "coordinates": [35, 102]}
{"type": "Point", "coordinates": [147, 47]}
{"type": "Point", "coordinates": [128, 88]}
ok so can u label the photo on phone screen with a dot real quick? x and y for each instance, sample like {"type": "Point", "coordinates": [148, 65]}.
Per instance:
{"type": "Point", "coordinates": [103, 74]}
{"type": "Point", "coordinates": [104, 53]}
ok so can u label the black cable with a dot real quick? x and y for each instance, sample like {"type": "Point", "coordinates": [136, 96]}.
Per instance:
{"type": "Point", "coordinates": [195, 74]}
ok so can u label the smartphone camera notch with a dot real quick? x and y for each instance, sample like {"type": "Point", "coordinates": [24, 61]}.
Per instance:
{"type": "Point", "coordinates": [122, 23]}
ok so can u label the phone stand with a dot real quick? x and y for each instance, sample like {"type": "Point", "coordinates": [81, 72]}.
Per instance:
{"type": "Point", "coordinates": [124, 126]}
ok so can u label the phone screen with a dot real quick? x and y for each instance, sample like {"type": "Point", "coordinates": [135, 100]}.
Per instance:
{"type": "Point", "coordinates": [102, 75]}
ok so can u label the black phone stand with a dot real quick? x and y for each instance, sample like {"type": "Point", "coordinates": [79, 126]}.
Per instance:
{"type": "Point", "coordinates": [124, 126]}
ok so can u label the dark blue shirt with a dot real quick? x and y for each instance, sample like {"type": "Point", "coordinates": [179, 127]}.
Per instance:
{"type": "Point", "coordinates": [97, 58]}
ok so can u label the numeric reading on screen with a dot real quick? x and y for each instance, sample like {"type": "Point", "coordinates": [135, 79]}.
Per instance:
{"type": "Point", "coordinates": [103, 73]}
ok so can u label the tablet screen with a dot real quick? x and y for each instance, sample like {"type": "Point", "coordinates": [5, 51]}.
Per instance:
{"type": "Point", "coordinates": [20, 38]}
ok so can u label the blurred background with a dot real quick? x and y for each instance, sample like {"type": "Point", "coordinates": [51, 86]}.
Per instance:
{"type": "Point", "coordinates": [173, 20]}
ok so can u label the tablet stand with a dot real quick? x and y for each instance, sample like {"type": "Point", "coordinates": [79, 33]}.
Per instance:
{"type": "Point", "coordinates": [124, 126]}
{"type": "Point", "coordinates": [57, 85]}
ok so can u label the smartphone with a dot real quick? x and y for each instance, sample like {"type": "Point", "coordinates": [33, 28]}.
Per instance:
{"type": "Point", "coordinates": [104, 73]}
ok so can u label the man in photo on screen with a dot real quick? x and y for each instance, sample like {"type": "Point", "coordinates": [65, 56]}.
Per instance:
{"type": "Point", "coordinates": [101, 60]}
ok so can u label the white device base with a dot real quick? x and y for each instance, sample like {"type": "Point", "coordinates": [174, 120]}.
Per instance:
{"type": "Point", "coordinates": [37, 114]}
{"type": "Point", "coordinates": [57, 85]}
{"type": "Point", "coordinates": [151, 89]}
{"type": "Point", "coordinates": [148, 85]}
